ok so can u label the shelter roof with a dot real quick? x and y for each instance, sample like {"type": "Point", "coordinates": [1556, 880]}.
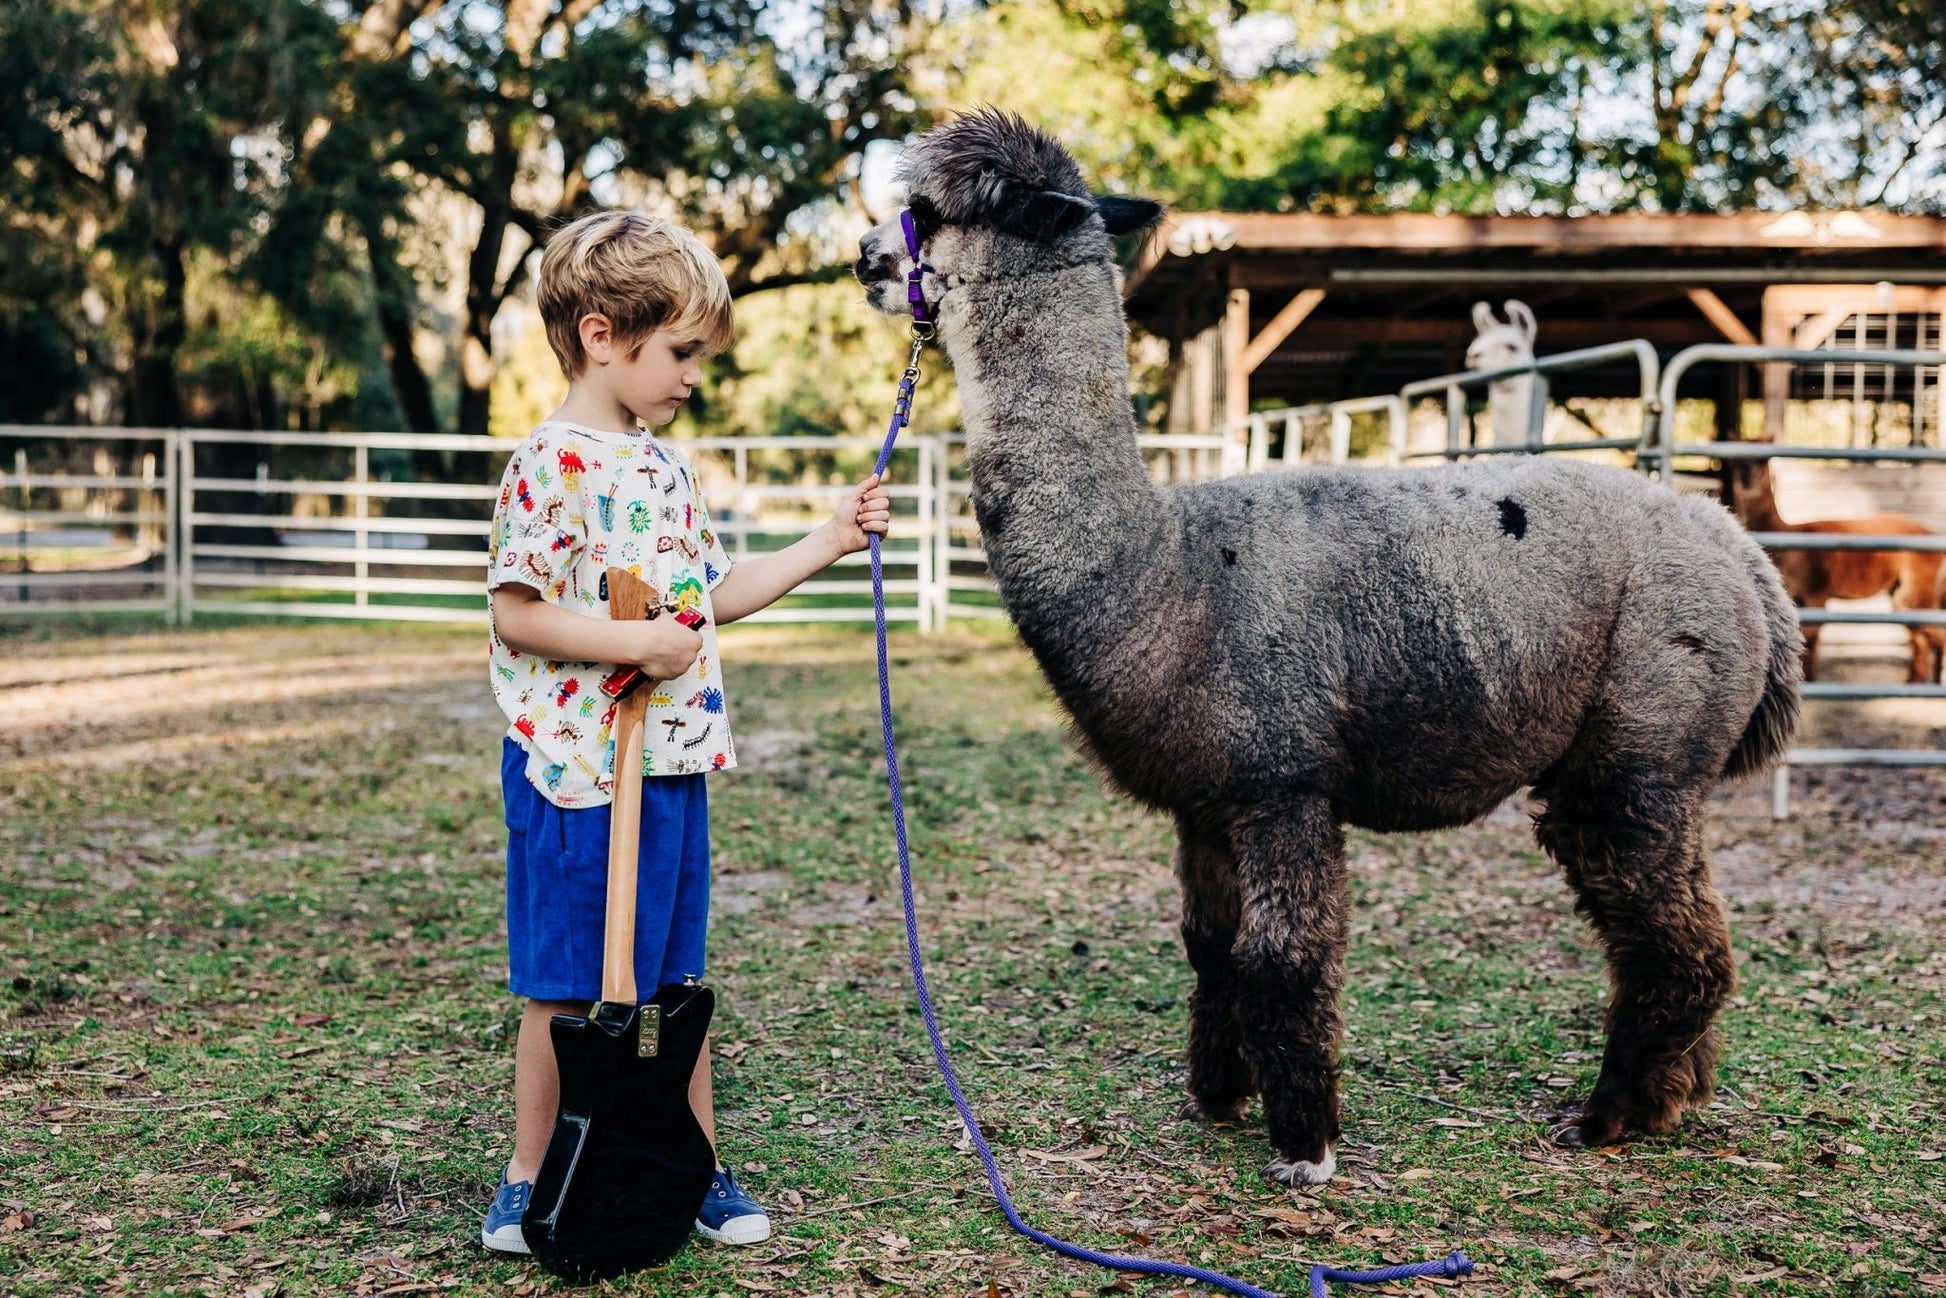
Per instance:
{"type": "Point", "coordinates": [1398, 288]}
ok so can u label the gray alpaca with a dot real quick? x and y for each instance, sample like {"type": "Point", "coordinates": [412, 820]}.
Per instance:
{"type": "Point", "coordinates": [1269, 658]}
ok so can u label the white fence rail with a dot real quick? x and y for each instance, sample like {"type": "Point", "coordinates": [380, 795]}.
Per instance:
{"type": "Point", "coordinates": [392, 526]}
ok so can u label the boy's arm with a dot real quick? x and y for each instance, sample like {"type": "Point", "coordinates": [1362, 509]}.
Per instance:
{"type": "Point", "coordinates": [662, 648]}
{"type": "Point", "coordinates": [758, 583]}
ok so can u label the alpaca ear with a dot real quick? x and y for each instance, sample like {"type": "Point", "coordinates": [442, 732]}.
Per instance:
{"type": "Point", "coordinates": [1049, 212]}
{"type": "Point", "coordinates": [1483, 317]}
{"type": "Point", "coordinates": [1522, 318]}
{"type": "Point", "coordinates": [1127, 215]}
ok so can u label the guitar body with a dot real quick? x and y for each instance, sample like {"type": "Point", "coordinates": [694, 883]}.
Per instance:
{"type": "Point", "coordinates": [628, 1165]}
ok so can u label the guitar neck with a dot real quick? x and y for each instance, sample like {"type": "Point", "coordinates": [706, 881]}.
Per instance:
{"type": "Point", "coordinates": [629, 599]}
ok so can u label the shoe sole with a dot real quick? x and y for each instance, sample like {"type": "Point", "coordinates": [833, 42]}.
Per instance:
{"type": "Point", "coordinates": [514, 1242]}
{"type": "Point", "coordinates": [738, 1230]}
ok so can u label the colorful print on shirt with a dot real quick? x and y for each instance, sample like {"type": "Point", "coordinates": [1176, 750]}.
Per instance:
{"type": "Point", "coordinates": [574, 502]}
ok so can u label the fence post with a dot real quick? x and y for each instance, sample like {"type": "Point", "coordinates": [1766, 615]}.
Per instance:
{"type": "Point", "coordinates": [171, 530]}
{"type": "Point", "coordinates": [20, 521]}
{"type": "Point", "coordinates": [927, 558]}
{"type": "Point", "coordinates": [744, 510]}
{"type": "Point", "coordinates": [186, 527]}
{"type": "Point", "coordinates": [361, 535]}
{"type": "Point", "coordinates": [1537, 412]}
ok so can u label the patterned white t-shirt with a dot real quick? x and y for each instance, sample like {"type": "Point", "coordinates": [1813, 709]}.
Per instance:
{"type": "Point", "coordinates": [574, 502]}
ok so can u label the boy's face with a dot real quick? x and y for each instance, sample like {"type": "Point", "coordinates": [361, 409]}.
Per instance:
{"type": "Point", "coordinates": [653, 383]}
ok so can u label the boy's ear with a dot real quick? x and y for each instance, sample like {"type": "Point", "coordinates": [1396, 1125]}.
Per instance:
{"type": "Point", "coordinates": [597, 332]}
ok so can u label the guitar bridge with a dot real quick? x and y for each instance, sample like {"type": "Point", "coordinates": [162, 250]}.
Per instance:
{"type": "Point", "coordinates": [649, 1044]}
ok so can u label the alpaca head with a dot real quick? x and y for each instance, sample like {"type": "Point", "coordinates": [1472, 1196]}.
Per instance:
{"type": "Point", "coordinates": [991, 198]}
{"type": "Point", "coordinates": [1747, 489]}
{"type": "Point", "coordinates": [1501, 343]}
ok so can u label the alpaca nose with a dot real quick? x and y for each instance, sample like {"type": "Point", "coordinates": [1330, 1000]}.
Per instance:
{"type": "Point", "coordinates": [870, 269]}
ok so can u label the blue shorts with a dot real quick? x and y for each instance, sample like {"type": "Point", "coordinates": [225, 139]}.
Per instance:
{"type": "Point", "coordinates": [557, 886]}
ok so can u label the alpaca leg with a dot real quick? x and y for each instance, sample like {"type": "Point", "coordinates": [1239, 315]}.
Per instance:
{"type": "Point", "coordinates": [1923, 654]}
{"type": "Point", "coordinates": [1220, 1081]}
{"type": "Point", "coordinates": [1638, 870]}
{"type": "Point", "coordinates": [1290, 957]}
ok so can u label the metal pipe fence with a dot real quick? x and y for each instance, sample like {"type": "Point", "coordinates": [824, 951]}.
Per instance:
{"type": "Point", "coordinates": [1659, 456]}
{"type": "Point", "coordinates": [1454, 387]}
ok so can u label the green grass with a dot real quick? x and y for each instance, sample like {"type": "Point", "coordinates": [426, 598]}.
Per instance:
{"type": "Point", "coordinates": [253, 1030]}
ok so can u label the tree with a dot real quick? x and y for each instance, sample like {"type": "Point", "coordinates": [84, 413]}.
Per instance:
{"type": "Point", "coordinates": [535, 110]}
{"type": "Point", "coordinates": [140, 135]}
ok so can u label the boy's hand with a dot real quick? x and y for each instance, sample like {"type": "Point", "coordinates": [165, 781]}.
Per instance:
{"type": "Point", "coordinates": [866, 509]}
{"type": "Point", "coordinates": [667, 648]}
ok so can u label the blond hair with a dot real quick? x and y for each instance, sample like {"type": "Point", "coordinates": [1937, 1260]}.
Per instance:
{"type": "Point", "coordinates": [643, 272]}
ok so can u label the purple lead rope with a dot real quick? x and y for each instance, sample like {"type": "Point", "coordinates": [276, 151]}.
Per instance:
{"type": "Point", "coordinates": [1455, 1265]}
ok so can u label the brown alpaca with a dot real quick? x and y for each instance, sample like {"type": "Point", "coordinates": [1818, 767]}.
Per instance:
{"type": "Point", "coordinates": [1816, 577]}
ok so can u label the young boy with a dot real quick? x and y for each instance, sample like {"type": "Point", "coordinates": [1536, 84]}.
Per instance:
{"type": "Point", "coordinates": [631, 304]}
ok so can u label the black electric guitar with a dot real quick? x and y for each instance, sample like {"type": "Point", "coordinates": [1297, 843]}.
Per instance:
{"type": "Point", "coordinates": [628, 1164]}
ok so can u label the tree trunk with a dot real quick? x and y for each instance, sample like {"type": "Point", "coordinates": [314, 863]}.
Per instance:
{"type": "Point", "coordinates": [158, 330]}
{"type": "Point", "coordinates": [484, 291]}
{"type": "Point", "coordinates": [395, 298]}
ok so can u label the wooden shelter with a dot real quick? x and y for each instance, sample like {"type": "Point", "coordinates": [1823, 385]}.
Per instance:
{"type": "Point", "coordinates": [1269, 309]}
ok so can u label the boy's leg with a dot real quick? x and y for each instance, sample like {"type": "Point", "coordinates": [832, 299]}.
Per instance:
{"type": "Point", "coordinates": [702, 1097]}
{"type": "Point", "coordinates": [537, 1087]}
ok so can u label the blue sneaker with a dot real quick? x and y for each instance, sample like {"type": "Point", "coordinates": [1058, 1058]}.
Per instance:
{"type": "Point", "coordinates": [501, 1233]}
{"type": "Point", "coordinates": [729, 1215]}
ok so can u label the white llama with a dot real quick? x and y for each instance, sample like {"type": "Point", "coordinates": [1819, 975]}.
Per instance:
{"type": "Point", "coordinates": [1501, 343]}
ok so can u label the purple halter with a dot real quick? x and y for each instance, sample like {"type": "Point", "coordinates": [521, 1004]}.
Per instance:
{"type": "Point", "coordinates": [914, 295]}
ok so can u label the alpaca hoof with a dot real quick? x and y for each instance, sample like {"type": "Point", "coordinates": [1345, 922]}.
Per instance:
{"type": "Point", "coordinates": [1589, 1131]}
{"type": "Point", "coordinates": [1195, 1110]}
{"type": "Point", "coordinates": [1299, 1172]}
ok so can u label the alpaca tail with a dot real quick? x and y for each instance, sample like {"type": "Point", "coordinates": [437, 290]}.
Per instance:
{"type": "Point", "coordinates": [1774, 722]}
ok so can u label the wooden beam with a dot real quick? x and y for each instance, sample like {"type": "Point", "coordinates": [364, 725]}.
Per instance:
{"type": "Point", "coordinates": [1310, 231]}
{"type": "Point", "coordinates": [1810, 299]}
{"type": "Point", "coordinates": [1236, 370]}
{"type": "Point", "coordinates": [1720, 315]}
{"type": "Point", "coordinates": [1809, 334]}
{"type": "Point", "coordinates": [1280, 327]}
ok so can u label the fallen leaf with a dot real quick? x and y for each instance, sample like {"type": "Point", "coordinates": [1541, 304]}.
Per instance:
{"type": "Point", "coordinates": [17, 1220]}
{"type": "Point", "coordinates": [1417, 1174]}
{"type": "Point", "coordinates": [1756, 1276]}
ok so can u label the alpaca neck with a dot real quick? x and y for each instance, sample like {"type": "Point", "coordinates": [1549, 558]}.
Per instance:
{"type": "Point", "coordinates": [1072, 523]}
{"type": "Point", "coordinates": [1757, 507]}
